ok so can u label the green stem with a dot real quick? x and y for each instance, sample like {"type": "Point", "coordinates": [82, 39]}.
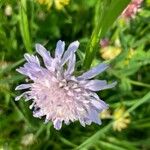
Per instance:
{"type": "Point", "coordinates": [21, 114]}
{"type": "Point", "coordinates": [39, 131]}
{"type": "Point", "coordinates": [48, 133]}
{"type": "Point", "coordinates": [140, 102]}
{"type": "Point", "coordinates": [131, 81]}
{"type": "Point", "coordinates": [67, 142]}
{"type": "Point", "coordinates": [139, 83]}
{"type": "Point", "coordinates": [94, 137]}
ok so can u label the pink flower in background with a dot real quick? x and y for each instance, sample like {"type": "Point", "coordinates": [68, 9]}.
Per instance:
{"type": "Point", "coordinates": [56, 93]}
{"type": "Point", "coordinates": [104, 42]}
{"type": "Point", "coordinates": [132, 9]}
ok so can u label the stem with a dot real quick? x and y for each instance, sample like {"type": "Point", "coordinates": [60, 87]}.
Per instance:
{"type": "Point", "coordinates": [139, 83]}
{"type": "Point", "coordinates": [21, 114]}
{"type": "Point", "coordinates": [141, 101]}
{"type": "Point", "coordinates": [39, 131]}
{"type": "Point", "coordinates": [94, 137]}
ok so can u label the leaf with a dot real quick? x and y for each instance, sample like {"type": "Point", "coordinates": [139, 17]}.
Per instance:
{"type": "Point", "coordinates": [115, 9]}
{"type": "Point", "coordinates": [106, 13]}
{"type": "Point", "coordinates": [24, 25]}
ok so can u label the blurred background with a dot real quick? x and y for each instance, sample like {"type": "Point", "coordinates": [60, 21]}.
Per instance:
{"type": "Point", "coordinates": [126, 45]}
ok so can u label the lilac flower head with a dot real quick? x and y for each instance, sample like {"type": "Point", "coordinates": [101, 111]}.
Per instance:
{"type": "Point", "coordinates": [56, 93]}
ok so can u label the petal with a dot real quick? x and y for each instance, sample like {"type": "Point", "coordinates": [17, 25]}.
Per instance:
{"type": "Point", "coordinates": [95, 85]}
{"type": "Point", "coordinates": [23, 86]}
{"type": "Point", "coordinates": [31, 70]}
{"type": "Point", "coordinates": [32, 58]}
{"type": "Point", "coordinates": [17, 98]}
{"type": "Point", "coordinates": [71, 49]}
{"type": "Point", "coordinates": [26, 72]}
{"type": "Point", "coordinates": [73, 46]}
{"type": "Point", "coordinates": [95, 96]}
{"type": "Point", "coordinates": [71, 64]}
{"type": "Point", "coordinates": [37, 113]}
{"type": "Point", "coordinates": [100, 105]}
{"type": "Point", "coordinates": [32, 67]}
{"type": "Point", "coordinates": [87, 121]}
{"type": "Point", "coordinates": [94, 71]}
{"type": "Point", "coordinates": [20, 96]}
{"type": "Point", "coordinates": [22, 70]}
{"type": "Point", "coordinates": [109, 86]}
{"type": "Point", "coordinates": [57, 124]}
{"type": "Point", "coordinates": [60, 47]}
{"type": "Point", "coordinates": [44, 54]}
{"type": "Point", "coordinates": [82, 122]}
{"type": "Point", "coordinates": [67, 122]}
{"type": "Point", "coordinates": [94, 117]}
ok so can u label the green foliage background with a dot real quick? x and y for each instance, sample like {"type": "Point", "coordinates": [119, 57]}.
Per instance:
{"type": "Point", "coordinates": [87, 21]}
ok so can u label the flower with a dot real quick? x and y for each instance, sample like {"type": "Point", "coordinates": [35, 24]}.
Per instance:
{"type": "Point", "coordinates": [121, 119]}
{"type": "Point", "coordinates": [131, 9]}
{"type": "Point", "coordinates": [28, 139]}
{"type": "Point", "coordinates": [110, 52]}
{"type": "Point", "coordinates": [130, 55]}
{"type": "Point", "coordinates": [8, 10]}
{"type": "Point", "coordinates": [48, 3]}
{"type": "Point", "coordinates": [59, 4]}
{"type": "Point", "coordinates": [104, 42]}
{"type": "Point", "coordinates": [106, 114]}
{"type": "Point", "coordinates": [56, 93]}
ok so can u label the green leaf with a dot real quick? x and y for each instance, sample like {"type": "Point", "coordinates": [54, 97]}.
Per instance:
{"type": "Point", "coordinates": [106, 13]}
{"type": "Point", "coordinates": [24, 25]}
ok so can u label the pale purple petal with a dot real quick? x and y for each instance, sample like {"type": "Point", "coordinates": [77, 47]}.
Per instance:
{"type": "Point", "coordinates": [23, 71]}
{"type": "Point", "coordinates": [45, 55]}
{"type": "Point", "coordinates": [71, 49]}
{"type": "Point", "coordinates": [22, 95]}
{"type": "Point", "coordinates": [93, 115]}
{"type": "Point", "coordinates": [17, 98]}
{"type": "Point", "coordinates": [82, 122]}
{"type": "Point", "coordinates": [71, 64]}
{"type": "Point", "coordinates": [99, 104]}
{"type": "Point", "coordinates": [108, 86]}
{"type": "Point", "coordinates": [31, 70]}
{"type": "Point", "coordinates": [57, 124]}
{"type": "Point", "coordinates": [37, 113]}
{"type": "Point", "coordinates": [67, 122]}
{"type": "Point", "coordinates": [32, 59]}
{"type": "Point", "coordinates": [95, 96]}
{"type": "Point", "coordinates": [73, 46]}
{"type": "Point", "coordinates": [97, 85]}
{"type": "Point", "coordinates": [32, 67]}
{"type": "Point", "coordinates": [23, 86]}
{"type": "Point", "coordinates": [60, 47]}
{"type": "Point", "coordinates": [87, 121]}
{"type": "Point", "coordinates": [94, 71]}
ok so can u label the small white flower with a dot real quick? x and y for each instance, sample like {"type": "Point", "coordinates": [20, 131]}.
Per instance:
{"type": "Point", "coordinates": [8, 10]}
{"type": "Point", "coordinates": [56, 93]}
